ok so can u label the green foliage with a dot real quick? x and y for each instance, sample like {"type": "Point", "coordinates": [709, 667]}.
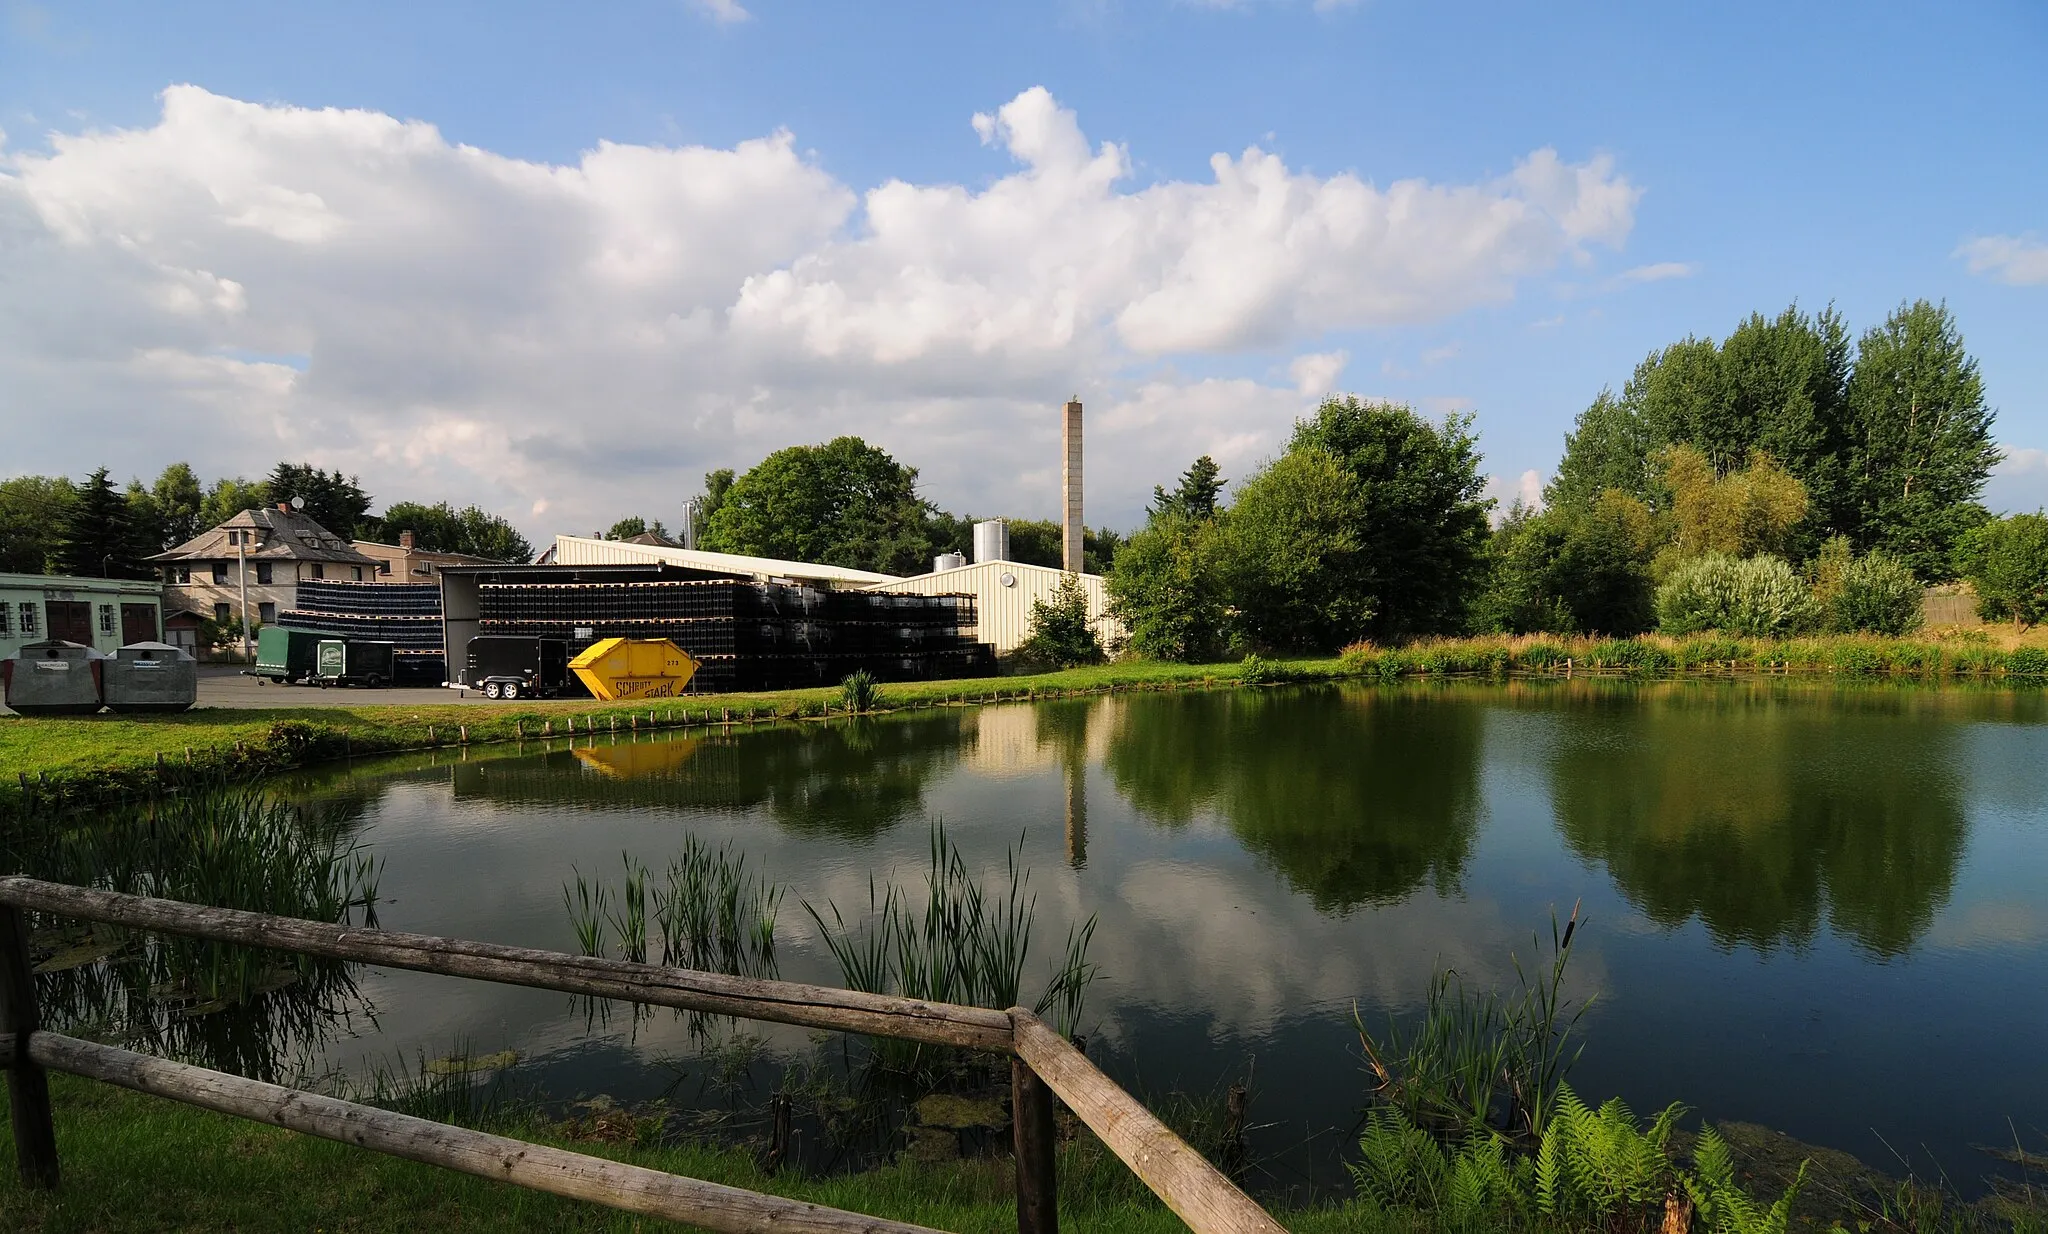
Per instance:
{"type": "Point", "coordinates": [1419, 518]}
{"type": "Point", "coordinates": [1921, 439]}
{"type": "Point", "coordinates": [1292, 543]}
{"type": "Point", "coordinates": [100, 537]}
{"type": "Point", "coordinates": [843, 503]}
{"type": "Point", "coordinates": [1195, 496]}
{"type": "Point", "coordinates": [178, 499]}
{"type": "Point", "coordinates": [1167, 590]}
{"type": "Point", "coordinates": [1061, 634]}
{"type": "Point", "coordinates": [334, 501]}
{"type": "Point", "coordinates": [1738, 513]}
{"type": "Point", "coordinates": [860, 693]}
{"type": "Point", "coordinates": [229, 496]}
{"type": "Point", "coordinates": [442, 528]}
{"type": "Point", "coordinates": [1036, 542]}
{"type": "Point", "coordinates": [1877, 594]}
{"type": "Point", "coordinates": [711, 914]}
{"type": "Point", "coordinates": [1571, 569]}
{"type": "Point", "coordinates": [33, 511]}
{"type": "Point", "coordinates": [1762, 597]}
{"type": "Point", "coordinates": [1721, 1204]}
{"type": "Point", "coordinates": [2006, 561]}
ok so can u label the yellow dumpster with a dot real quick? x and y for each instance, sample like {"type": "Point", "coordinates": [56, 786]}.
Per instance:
{"type": "Point", "coordinates": [619, 669]}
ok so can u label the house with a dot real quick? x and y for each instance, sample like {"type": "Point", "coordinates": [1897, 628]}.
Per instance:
{"type": "Point", "coordinates": [267, 552]}
{"type": "Point", "coordinates": [405, 562]}
{"type": "Point", "coordinates": [102, 613]}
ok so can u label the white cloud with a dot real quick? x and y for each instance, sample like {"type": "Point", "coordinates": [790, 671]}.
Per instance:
{"type": "Point", "coordinates": [1526, 488]}
{"type": "Point", "coordinates": [2019, 484]}
{"type": "Point", "coordinates": [2019, 260]}
{"type": "Point", "coordinates": [1658, 272]}
{"type": "Point", "coordinates": [1316, 373]}
{"type": "Point", "coordinates": [584, 340]}
{"type": "Point", "coordinates": [724, 12]}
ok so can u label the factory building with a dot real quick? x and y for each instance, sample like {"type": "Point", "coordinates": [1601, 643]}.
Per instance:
{"type": "Point", "coordinates": [1003, 592]}
{"type": "Point", "coordinates": [101, 613]}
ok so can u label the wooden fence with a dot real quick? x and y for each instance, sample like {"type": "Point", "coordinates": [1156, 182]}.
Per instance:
{"type": "Point", "coordinates": [1043, 1066]}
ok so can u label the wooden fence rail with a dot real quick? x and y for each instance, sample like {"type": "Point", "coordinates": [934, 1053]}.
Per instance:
{"type": "Point", "coordinates": [1044, 1066]}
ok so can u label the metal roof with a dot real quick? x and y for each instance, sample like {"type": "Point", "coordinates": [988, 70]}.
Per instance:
{"type": "Point", "coordinates": [582, 550]}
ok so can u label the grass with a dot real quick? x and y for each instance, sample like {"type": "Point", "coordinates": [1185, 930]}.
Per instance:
{"type": "Point", "coordinates": [88, 760]}
{"type": "Point", "coordinates": [133, 1163]}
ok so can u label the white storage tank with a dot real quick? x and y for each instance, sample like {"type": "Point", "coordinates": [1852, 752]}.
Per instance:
{"type": "Point", "coordinates": [53, 678]}
{"type": "Point", "coordinates": [991, 541]}
{"type": "Point", "coordinates": [150, 677]}
{"type": "Point", "coordinates": [947, 561]}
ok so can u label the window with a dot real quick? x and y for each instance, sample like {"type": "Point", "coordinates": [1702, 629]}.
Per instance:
{"type": "Point", "coordinates": [28, 618]}
{"type": "Point", "coordinates": [263, 572]}
{"type": "Point", "coordinates": [359, 574]}
{"type": "Point", "coordinates": [106, 619]}
{"type": "Point", "coordinates": [220, 572]}
{"type": "Point", "coordinates": [319, 571]}
{"type": "Point", "coordinates": [266, 613]}
{"type": "Point", "coordinates": [220, 612]}
{"type": "Point", "coordinates": [6, 621]}
{"type": "Point", "coordinates": [384, 565]}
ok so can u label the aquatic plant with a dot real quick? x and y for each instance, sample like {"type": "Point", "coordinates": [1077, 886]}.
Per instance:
{"type": "Point", "coordinates": [859, 693]}
{"type": "Point", "coordinates": [965, 946]}
{"type": "Point", "coordinates": [1484, 1062]}
{"type": "Point", "coordinates": [711, 913]}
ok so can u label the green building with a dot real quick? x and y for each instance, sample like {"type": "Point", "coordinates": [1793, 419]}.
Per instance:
{"type": "Point", "coordinates": [103, 613]}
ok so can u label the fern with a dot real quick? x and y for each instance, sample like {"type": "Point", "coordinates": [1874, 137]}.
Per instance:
{"type": "Point", "coordinates": [1722, 1205]}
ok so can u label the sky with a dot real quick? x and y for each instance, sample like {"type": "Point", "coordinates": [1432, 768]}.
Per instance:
{"type": "Point", "coordinates": [560, 260]}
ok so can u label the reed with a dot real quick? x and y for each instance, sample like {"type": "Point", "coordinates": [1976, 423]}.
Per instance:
{"type": "Point", "coordinates": [859, 693]}
{"type": "Point", "coordinates": [712, 915]}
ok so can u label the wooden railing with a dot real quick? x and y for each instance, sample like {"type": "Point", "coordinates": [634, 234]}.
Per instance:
{"type": "Point", "coordinates": [1043, 1066]}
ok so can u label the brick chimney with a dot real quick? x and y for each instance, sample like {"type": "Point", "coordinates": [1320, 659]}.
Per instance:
{"type": "Point", "coordinates": [284, 507]}
{"type": "Point", "coordinates": [405, 540]}
{"type": "Point", "coordinates": [1070, 488]}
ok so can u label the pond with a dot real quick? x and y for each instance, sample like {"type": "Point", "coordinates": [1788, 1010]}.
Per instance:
{"type": "Point", "coordinates": [1820, 909]}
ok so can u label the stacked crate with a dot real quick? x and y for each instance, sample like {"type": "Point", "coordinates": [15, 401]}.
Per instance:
{"type": "Point", "coordinates": [753, 636]}
{"type": "Point", "coordinates": [407, 615]}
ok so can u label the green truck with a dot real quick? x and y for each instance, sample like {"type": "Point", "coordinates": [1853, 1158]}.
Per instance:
{"type": "Point", "coordinates": [310, 657]}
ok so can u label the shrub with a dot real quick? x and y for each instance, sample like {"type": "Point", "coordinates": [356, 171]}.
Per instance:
{"type": "Point", "coordinates": [1061, 635]}
{"type": "Point", "coordinates": [1876, 593]}
{"type": "Point", "coordinates": [2030, 661]}
{"type": "Point", "coordinates": [2006, 560]}
{"type": "Point", "coordinates": [1759, 596]}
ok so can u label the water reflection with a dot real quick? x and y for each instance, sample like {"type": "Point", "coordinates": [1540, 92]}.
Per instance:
{"type": "Point", "coordinates": [1761, 814]}
{"type": "Point", "coordinates": [1356, 796]}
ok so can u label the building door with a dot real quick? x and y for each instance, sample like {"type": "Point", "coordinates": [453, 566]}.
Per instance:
{"type": "Point", "coordinates": [70, 620]}
{"type": "Point", "coordinates": [138, 623]}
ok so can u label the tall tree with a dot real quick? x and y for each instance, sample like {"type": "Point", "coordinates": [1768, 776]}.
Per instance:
{"type": "Point", "coordinates": [1787, 380]}
{"type": "Point", "coordinates": [178, 502]}
{"type": "Point", "coordinates": [442, 528]}
{"type": "Point", "coordinates": [32, 517]}
{"type": "Point", "coordinates": [1200, 485]}
{"type": "Point", "coordinates": [1293, 541]}
{"type": "Point", "coordinates": [1166, 588]}
{"type": "Point", "coordinates": [716, 485]}
{"type": "Point", "coordinates": [1609, 448]}
{"type": "Point", "coordinates": [334, 501]}
{"type": "Point", "coordinates": [229, 496]}
{"type": "Point", "coordinates": [99, 537]}
{"type": "Point", "coordinates": [1921, 442]}
{"type": "Point", "coordinates": [1421, 517]}
{"type": "Point", "coordinates": [843, 503]}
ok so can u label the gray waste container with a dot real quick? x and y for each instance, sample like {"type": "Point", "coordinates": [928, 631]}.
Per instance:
{"type": "Point", "coordinates": [53, 678]}
{"type": "Point", "coordinates": [150, 677]}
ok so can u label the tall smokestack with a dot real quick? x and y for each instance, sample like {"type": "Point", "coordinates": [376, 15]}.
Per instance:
{"type": "Point", "coordinates": [1070, 489]}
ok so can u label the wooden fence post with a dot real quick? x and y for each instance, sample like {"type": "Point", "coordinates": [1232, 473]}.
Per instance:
{"type": "Point", "coordinates": [28, 1085]}
{"type": "Point", "coordinates": [1031, 1124]}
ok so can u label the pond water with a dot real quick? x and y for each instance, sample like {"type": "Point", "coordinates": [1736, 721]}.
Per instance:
{"type": "Point", "coordinates": [1820, 909]}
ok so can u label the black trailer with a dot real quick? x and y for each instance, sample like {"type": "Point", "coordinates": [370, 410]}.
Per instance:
{"type": "Point", "coordinates": [515, 666]}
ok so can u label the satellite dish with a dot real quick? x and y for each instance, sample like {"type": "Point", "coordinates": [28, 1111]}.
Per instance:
{"type": "Point", "coordinates": [298, 503]}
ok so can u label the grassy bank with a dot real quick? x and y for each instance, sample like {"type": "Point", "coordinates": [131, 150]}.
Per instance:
{"type": "Point", "coordinates": [134, 1163]}
{"type": "Point", "coordinates": [60, 762]}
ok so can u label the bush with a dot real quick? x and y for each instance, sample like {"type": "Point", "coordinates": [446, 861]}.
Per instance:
{"type": "Point", "coordinates": [2006, 560]}
{"type": "Point", "coordinates": [1874, 593]}
{"type": "Point", "coordinates": [1061, 635]}
{"type": "Point", "coordinates": [1760, 596]}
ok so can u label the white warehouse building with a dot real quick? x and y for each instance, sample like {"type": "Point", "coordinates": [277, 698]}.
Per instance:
{"type": "Point", "coordinates": [1003, 592]}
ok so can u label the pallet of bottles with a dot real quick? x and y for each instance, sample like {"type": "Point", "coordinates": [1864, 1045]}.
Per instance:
{"type": "Point", "coordinates": [405, 633]}
{"type": "Point", "coordinates": [701, 599]}
{"type": "Point", "coordinates": [722, 637]}
{"type": "Point", "coordinates": [374, 599]}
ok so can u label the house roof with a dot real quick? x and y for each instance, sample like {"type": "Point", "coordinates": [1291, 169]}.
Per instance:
{"type": "Point", "coordinates": [281, 535]}
{"type": "Point", "coordinates": [435, 553]}
{"type": "Point", "coordinates": [580, 550]}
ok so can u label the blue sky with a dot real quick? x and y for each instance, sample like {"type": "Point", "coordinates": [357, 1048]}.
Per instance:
{"type": "Point", "coordinates": [1774, 153]}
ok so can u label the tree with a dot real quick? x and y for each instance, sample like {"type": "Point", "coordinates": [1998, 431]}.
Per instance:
{"type": "Point", "coordinates": [442, 528]}
{"type": "Point", "coordinates": [1166, 589]}
{"type": "Point", "coordinates": [716, 484]}
{"type": "Point", "coordinates": [228, 497]}
{"type": "Point", "coordinates": [1921, 440]}
{"type": "Point", "coordinates": [1060, 633]}
{"type": "Point", "coordinates": [1609, 448]}
{"type": "Point", "coordinates": [1195, 496]}
{"type": "Point", "coordinates": [145, 517]}
{"type": "Point", "coordinates": [1292, 541]}
{"type": "Point", "coordinates": [334, 501]}
{"type": "Point", "coordinates": [843, 503]}
{"type": "Point", "coordinates": [33, 510]}
{"type": "Point", "coordinates": [626, 528]}
{"type": "Point", "coordinates": [1738, 514]}
{"type": "Point", "coordinates": [1421, 524]}
{"type": "Point", "coordinates": [99, 537]}
{"type": "Point", "coordinates": [1567, 570]}
{"type": "Point", "coordinates": [179, 500]}
{"type": "Point", "coordinates": [2006, 560]}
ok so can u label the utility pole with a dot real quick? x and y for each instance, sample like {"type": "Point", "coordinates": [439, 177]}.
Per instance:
{"type": "Point", "coordinates": [242, 554]}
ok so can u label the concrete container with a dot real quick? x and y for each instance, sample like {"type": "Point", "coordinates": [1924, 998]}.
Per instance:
{"type": "Point", "coordinates": [53, 678]}
{"type": "Point", "coordinates": [143, 677]}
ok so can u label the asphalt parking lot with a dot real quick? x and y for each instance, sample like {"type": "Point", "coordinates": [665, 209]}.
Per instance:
{"type": "Point", "coordinates": [222, 685]}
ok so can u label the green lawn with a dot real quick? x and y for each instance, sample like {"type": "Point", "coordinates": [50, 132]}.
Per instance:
{"type": "Point", "coordinates": [133, 1163]}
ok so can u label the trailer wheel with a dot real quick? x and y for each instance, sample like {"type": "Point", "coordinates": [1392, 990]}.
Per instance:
{"type": "Point", "coordinates": [490, 689]}
{"type": "Point", "coordinates": [511, 689]}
